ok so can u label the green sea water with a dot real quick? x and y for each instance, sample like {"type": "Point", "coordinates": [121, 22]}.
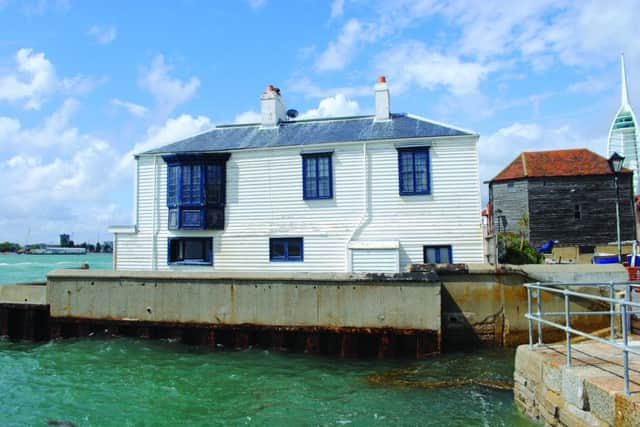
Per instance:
{"type": "Point", "coordinates": [16, 268]}
{"type": "Point", "coordinates": [102, 381]}
{"type": "Point", "coordinates": [128, 382]}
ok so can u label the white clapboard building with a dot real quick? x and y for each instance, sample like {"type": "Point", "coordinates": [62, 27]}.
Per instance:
{"type": "Point", "coordinates": [348, 194]}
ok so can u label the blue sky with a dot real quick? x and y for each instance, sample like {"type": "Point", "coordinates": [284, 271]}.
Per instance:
{"type": "Point", "coordinates": [83, 85]}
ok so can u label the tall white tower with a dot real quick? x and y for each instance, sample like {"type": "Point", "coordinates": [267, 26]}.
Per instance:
{"type": "Point", "coordinates": [623, 135]}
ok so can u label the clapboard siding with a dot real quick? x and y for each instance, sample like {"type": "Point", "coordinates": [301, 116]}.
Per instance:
{"type": "Point", "coordinates": [510, 203]}
{"type": "Point", "coordinates": [264, 199]}
{"type": "Point", "coordinates": [375, 260]}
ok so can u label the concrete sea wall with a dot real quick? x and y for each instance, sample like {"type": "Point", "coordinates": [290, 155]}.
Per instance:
{"type": "Point", "coordinates": [485, 305]}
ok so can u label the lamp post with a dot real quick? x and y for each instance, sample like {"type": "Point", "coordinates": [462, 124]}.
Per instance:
{"type": "Point", "coordinates": [615, 164]}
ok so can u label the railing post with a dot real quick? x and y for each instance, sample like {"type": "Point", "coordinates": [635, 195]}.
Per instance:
{"type": "Point", "coordinates": [567, 325]}
{"type": "Point", "coordinates": [612, 312]}
{"type": "Point", "coordinates": [529, 318]}
{"type": "Point", "coordinates": [539, 303]}
{"type": "Point", "coordinates": [625, 341]}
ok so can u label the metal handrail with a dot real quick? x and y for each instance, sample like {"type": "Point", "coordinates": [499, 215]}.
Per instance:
{"type": "Point", "coordinates": [626, 309]}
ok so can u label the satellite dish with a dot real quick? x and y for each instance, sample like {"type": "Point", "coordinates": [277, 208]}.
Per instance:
{"type": "Point", "coordinates": [292, 114]}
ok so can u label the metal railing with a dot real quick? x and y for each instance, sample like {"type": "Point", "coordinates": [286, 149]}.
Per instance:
{"type": "Point", "coordinates": [622, 306]}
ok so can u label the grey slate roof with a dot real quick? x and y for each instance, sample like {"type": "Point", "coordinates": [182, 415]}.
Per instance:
{"type": "Point", "coordinates": [309, 132]}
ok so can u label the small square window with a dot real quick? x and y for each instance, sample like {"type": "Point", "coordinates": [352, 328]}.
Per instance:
{"type": "Point", "coordinates": [437, 254]}
{"type": "Point", "coordinates": [190, 251]}
{"type": "Point", "coordinates": [286, 249]}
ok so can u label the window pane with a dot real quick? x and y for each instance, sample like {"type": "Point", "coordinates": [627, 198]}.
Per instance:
{"type": "Point", "coordinates": [323, 167]}
{"type": "Point", "coordinates": [172, 186]}
{"type": "Point", "coordinates": [406, 171]}
{"type": "Point", "coordinates": [310, 165]}
{"type": "Point", "coordinates": [214, 184]}
{"type": "Point", "coordinates": [310, 183]}
{"type": "Point", "coordinates": [186, 184]}
{"type": "Point", "coordinates": [196, 189]}
{"type": "Point", "coordinates": [194, 249]}
{"type": "Point", "coordinates": [444, 255]}
{"type": "Point", "coordinates": [295, 248]}
{"type": "Point", "coordinates": [324, 189]}
{"type": "Point", "coordinates": [430, 255]}
{"type": "Point", "coordinates": [174, 251]}
{"type": "Point", "coordinates": [421, 171]}
{"type": "Point", "coordinates": [277, 248]}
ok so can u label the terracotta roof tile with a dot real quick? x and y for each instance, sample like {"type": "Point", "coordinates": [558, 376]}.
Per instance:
{"type": "Point", "coordinates": [573, 162]}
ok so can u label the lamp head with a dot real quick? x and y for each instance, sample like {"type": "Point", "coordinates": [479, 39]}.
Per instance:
{"type": "Point", "coordinates": [615, 163]}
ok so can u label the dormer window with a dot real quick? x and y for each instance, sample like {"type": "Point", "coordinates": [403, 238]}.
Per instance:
{"type": "Point", "coordinates": [196, 191]}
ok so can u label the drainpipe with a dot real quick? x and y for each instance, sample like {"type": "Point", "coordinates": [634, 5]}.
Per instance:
{"type": "Point", "coordinates": [154, 247]}
{"type": "Point", "coordinates": [364, 219]}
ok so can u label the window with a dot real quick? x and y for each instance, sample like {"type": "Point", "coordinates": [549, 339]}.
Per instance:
{"type": "Point", "coordinates": [286, 249]}
{"type": "Point", "coordinates": [438, 255]}
{"type": "Point", "coordinates": [196, 191]}
{"type": "Point", "coordinates": [577, 212]}
{"type": "Point", "coordinates": [190, 251]}
{"type": "Point", "coordinates": [317, 182]}
{"type": "Point", "coordinates": [413, 169]}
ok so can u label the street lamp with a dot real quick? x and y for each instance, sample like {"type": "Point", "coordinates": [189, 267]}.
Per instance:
{"type": "Point", "coordinates": [615, 164]}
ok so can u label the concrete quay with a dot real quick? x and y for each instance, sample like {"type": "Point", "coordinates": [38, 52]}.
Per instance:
{"type": "Point", "coordinates": [589, 393]}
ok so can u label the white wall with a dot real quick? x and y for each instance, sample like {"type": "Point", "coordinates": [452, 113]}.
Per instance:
{"type": "Point", "coordinates": [264, 199]}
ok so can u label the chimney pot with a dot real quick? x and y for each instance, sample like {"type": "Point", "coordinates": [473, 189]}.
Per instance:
{"type": "Point", "coordinates": [273, 110]}
{"type": "Point", "coordinates": [383, 109]}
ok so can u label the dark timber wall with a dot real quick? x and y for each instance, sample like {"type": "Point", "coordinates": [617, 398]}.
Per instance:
{"type": "Point", "coordinates": [552, 209]}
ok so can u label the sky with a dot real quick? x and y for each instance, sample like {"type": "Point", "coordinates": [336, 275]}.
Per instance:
{"type": "Point", "coordinates": [84, 85]}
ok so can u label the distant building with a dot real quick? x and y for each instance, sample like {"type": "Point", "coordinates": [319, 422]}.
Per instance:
{"type": "Point", "coordinates": [567, 195]}
{"type": "Point", "coordinates": [623, 135]}
{"type": "Point", "coordinates": [65, 240]}
{"type": "Point", "coordinates": [358, 194]}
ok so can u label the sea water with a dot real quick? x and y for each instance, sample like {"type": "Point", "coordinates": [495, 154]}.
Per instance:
{"type": "Point", "coordinates": [101, 381]}
{"type": "Point", "coordinates": [15, 268]}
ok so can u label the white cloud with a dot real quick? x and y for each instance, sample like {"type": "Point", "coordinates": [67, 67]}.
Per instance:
{"type": "Point", "coordinates": [103, 35]}
{"type": "Point", "coordinates": [335, 106]}
{"type": "Point", "coordinates": [172, 130]}
{"type": "Point", "coordinates": [256, 4]}
{"type": "Point", "coordinates": [53, 174]}
{"type": "Point", "coordinates": [34, 79]}
{"type": "Point", "coordinates": [168, 91]}
{"type": "Point", "coordinates": [134, 109]}
{"type": "Point", "coordinates": [337, 8]}
{"type": "Point", "coordinates": [412, 63]}
{"type": "Point", "coordinates": [53, 133]}
{"type": "Point", "coordinates": [340, 51]}
{"type": "Point", "coordinates": [500, 148]}
{"type": "Point", "coordinates": [248, 117]}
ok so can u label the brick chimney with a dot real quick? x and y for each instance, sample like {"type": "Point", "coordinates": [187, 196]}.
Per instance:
{"type": "Point", "coordinates": [382, 100]}
{"type": "Point", "coordinates": [272, 108]}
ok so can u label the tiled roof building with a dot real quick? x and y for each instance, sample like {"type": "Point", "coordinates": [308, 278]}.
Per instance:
{"type": "Point", "coordinates": [567, 195]}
